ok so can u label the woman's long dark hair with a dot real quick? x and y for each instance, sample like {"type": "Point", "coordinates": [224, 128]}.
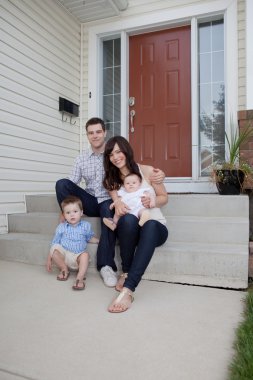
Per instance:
{"type": "Point", "coordinates": [112, 179]}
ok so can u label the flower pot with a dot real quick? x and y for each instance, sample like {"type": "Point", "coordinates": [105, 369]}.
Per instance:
{"type": "Point", "coordinates": [229, 182]}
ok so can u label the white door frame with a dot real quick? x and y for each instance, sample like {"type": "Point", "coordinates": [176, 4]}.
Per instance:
{"type": "Point", "coordinates": [161, 20]}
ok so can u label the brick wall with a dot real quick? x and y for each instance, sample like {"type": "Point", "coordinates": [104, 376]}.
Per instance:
{"type": "Point", "coordinates": [245, 118]}
{"type": "Point", "coordinates": [246, 153]}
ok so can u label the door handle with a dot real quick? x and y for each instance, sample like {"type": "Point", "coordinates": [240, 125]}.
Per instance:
{"type": "Point", "coordinates": [132, 115]}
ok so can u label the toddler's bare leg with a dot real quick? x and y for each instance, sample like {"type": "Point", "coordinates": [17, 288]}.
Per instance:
{"type": "Point", "coordinates": [58, 259]}
{"type": "Point", "coordinates": [83, 262]}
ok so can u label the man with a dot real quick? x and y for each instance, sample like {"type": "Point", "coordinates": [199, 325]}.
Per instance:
{"type": "Point", "coordinates": [95, 199]}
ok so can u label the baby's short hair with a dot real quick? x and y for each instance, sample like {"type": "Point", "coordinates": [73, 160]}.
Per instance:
{"type": "Point", "coordinates": [71, 199]}
{"type": "Point", "coordinates": [136, 174]}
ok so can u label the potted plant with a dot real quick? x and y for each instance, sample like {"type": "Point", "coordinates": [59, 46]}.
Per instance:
{"type": "Point", "coordinates": [231, 174]}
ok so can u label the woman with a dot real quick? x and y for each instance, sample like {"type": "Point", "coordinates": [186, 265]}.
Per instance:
{"type": "Point", "coordinates": [137, 244]}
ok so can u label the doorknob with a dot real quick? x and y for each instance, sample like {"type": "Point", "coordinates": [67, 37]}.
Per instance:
{"type": "Point", "coordinates": [132, 114]}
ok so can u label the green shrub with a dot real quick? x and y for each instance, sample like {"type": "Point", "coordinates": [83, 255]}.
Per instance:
{"type": "Point", "coordinates": [241, 367]}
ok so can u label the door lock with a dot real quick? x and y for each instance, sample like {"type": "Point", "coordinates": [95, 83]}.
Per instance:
{"type": "Point", "coordinates": [131, 101]}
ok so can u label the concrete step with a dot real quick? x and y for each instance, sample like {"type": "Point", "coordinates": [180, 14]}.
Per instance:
{"type": "Point", "coordinates": [42, 203]}
{"type": "Point", "coordinates": [212, 205]}
{"type": "Point", "coordinates": [208, 240]}
{"type": "Point", "coordinates": [181, 228]}
{"type": "Point", "coordinates": [31, 248]}
{"type": "Point", "coordinates": [222, 265]}
{"type": "Point", "coordinates": [42, 222]}
{"type": "Point", "coordinates": [208, 229]}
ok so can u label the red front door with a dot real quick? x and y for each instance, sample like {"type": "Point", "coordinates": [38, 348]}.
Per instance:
{"type": "Point", "coordinates": [160, 130]}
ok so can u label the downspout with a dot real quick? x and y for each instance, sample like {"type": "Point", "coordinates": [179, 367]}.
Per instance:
{"type": "Point", "coordinates": [81, 94]}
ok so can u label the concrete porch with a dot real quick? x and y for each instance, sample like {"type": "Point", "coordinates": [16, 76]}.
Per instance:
{"type": "Point", "coordinates": [172, 331]}
{"type": "Point", "coordinates": [208, 240]}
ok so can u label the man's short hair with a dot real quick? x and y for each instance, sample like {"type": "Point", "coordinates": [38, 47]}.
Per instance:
{"type": "Point", "coordinates": [95, 120]}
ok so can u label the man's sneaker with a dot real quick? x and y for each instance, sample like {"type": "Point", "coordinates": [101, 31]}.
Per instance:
{"type": "Point", "coordinates": [109, 276]}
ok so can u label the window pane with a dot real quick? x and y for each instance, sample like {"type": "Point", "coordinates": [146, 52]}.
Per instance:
{"type": "Point", "coordinates": [218, 99]}
{"type": "Point", "coordinates": [218, 35]}
{"type": "Point", "coordinates": [205, 68]}
{"type": "Point", "coordinates": [218, 67]}
{"type": "Point", "coordinates": [111, 86]}
{"type": "Point", "coordinates": [109, 129]}
{"type": "Point", "coordinates": [205, 95]}
{"type": "Point", "coordinates": [107, 53]}
{"type": "Point", "coordinates": [117, 108]}
{"type": "Point", "coordinates": [108, 81]}
{"type": "Point", "coordinates": [211, 95]}
{"type": "Point", "coordinates": [116, 80]}
{"type": "Point", "coordinates": [117, 60]}
{"type": "Point", "coordinates": [117, 129]}
{"type": "Point", "coordinates": [204, 37]}
{"type": "Point", "coordinates": [112, 129]}
{"type": "Point", "coordinates": [108, 109]}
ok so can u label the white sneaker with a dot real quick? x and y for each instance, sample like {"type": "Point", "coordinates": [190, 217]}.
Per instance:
{"type": "Point", "coordinates": [109, 276]}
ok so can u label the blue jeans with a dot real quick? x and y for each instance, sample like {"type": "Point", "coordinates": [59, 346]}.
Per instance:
{"type": "Point", "coordinates": [137, 246]}
{"type": "Point", "coordinates": [91, 207]}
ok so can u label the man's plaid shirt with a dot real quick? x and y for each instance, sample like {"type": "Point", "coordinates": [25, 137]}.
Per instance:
{"type": "Point", "coordinates": [89, 166]}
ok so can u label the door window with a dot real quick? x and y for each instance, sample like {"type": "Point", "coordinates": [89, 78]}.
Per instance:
{"type": "Point", "coordinates": [111, 86]}
{"type": "Point", "coordinates": [211, 94]}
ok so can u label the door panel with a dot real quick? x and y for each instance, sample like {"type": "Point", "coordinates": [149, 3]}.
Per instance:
{"type": "Point", "coordinates": [160, 83]}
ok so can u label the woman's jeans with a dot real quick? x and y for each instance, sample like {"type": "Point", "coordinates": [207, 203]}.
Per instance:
{"type": "Point", "coordinates": [91, 207]}
{"type": "Point", "coordinates": [137, 246]}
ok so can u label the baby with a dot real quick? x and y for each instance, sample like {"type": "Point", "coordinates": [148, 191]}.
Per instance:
{"type": "Point", "coordinates": [131, 194]}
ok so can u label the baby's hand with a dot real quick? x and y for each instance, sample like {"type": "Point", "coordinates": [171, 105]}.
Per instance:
{"type": "Point", "coordinates": [112, 205]}
{"type": "Point", "coordinates": [146, 200]}
{"type": "Point", "coordinates": [121, 208]}
{"type": "Point", "coordinates": [94, 240]}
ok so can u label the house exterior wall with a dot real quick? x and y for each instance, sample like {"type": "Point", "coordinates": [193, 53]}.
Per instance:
{"type": "Point", "coordinates": [241, 54]}
{"type": "Point", "coordinates": [249, 55]}
{"type": "Point", "coordinates": [40, 61]}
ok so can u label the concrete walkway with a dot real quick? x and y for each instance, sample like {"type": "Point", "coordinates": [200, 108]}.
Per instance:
{"type": "Point", "coordinates": [171, 332]}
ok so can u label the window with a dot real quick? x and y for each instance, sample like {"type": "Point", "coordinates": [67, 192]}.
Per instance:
{"type": "Point", "coordinates": [211, 94]}
{"type": "Point", "coordinates": [111, 86]}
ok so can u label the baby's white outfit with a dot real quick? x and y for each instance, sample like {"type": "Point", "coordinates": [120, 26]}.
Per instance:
{"type": "Point", "coordinates": [133, 199]}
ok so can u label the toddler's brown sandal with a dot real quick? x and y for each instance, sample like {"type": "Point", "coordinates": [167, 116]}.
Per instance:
{"type": "Point", "coordinates": [76, 286]}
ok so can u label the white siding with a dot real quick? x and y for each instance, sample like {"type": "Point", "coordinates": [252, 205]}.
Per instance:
{"type": "Point", "coordinates": [40, 61]}
{"type": "Point", "coordinates": [84, 84]}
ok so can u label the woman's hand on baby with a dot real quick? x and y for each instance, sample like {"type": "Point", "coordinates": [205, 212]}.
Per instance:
{"type": "Point", "coordinates": [157, 176]}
